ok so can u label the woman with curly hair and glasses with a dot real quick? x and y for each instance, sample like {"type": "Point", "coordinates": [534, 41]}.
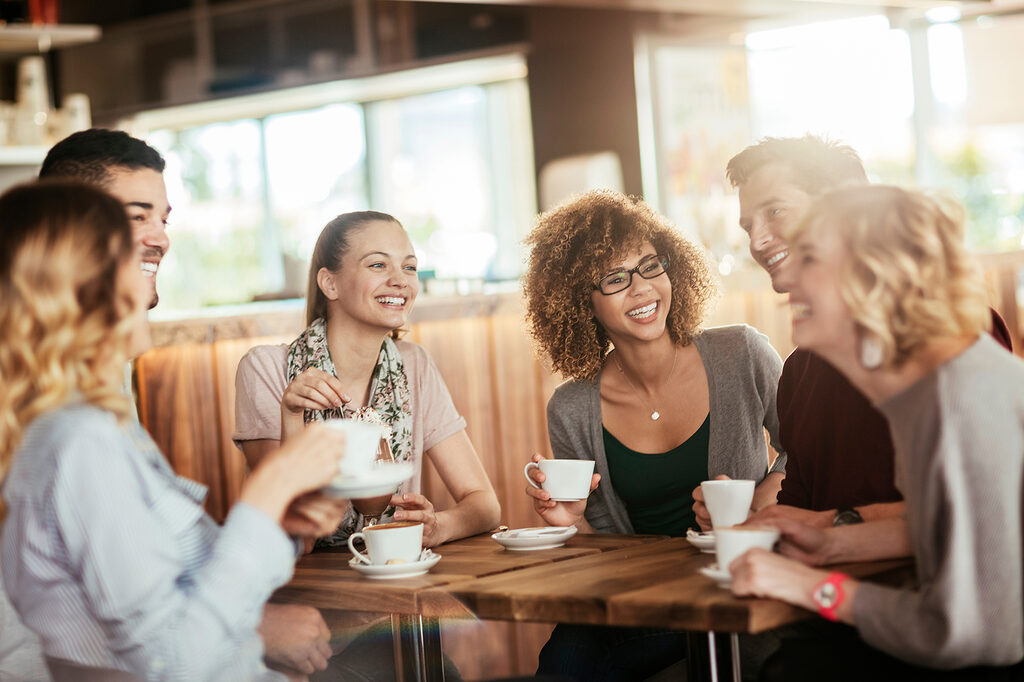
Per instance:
{"type": "Point", "coordinates": [615, 299]}
{"type": "Point", "coordinates": [883, 289]}
{"type": "Point", "coordinates": [108, 555]}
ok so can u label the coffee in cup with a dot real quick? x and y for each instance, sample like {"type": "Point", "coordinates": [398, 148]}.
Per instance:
{"type": "Point", "coordinates": [566, 480]}
{"type": "Point", "coordinates": [361, 443]}
{"type": "Point", "coordinates": [389, 543]}
{"type": "Point", "coordinates": [728, 501]}
{"type": "Point", "coordinates": [734, 541]}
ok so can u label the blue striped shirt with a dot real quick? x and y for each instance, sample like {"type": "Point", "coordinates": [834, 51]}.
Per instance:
{"type": "Point", "coordinates": [110, 558]}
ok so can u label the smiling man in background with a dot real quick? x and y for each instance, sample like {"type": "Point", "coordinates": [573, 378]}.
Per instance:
{"type": "Point", "coordinates": [841, 456]}
{"type": "Point", "coordinates": [130, 170]}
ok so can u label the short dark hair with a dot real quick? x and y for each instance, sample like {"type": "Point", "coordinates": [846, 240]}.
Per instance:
{"type": "Point", "coordinates": [90, 155]}
{"type": "Point", "coordinates": [818, 164]}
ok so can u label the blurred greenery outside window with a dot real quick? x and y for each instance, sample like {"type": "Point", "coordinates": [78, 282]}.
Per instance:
{"type": "Point", "coordinates": [853, 81]}
{"type": "Point", "coordinates": [250, 196]}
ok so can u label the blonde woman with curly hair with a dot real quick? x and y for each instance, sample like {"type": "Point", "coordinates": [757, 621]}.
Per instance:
{"type": "Point", "coordinates": [615, 299]}
{"type": "Point", "coordinates": [885, 291]}
{"type": "Point", "coordinates": [108, 555]}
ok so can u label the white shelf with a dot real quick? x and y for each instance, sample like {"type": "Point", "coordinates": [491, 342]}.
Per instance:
{"type": "Point", "coordinates": [22, 156]}
{"type": "Point", "coordinates": [32, 38]}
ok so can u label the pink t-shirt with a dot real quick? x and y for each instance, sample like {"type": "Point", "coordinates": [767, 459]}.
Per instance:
{"type": "Point", "coordinates": [261, 379]}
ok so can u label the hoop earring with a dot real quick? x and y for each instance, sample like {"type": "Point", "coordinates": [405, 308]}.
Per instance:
{"type": "Point", "coordinates": [871, 352]}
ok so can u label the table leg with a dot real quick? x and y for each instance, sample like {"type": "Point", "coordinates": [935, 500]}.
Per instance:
{"type": "Point", "coordinates": [417, 648]}
{"type": "Point", "coordinates": [713, 657]}
{"type": "Point", "coordinates": [734, 645]}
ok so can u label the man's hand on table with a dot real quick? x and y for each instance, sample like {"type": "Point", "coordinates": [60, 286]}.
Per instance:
{"type": "Point", "coordinates": [809, 545]}
{"type": "Point", "coordinates": [295, 637]}
{"type": "Point", "coordinates": [817, 519]}
{"type": "Point", "coordinates": [557, 513]}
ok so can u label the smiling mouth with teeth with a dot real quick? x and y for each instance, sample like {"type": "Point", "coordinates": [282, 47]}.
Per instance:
{"type": "Point", "coordinates": [644, 311]}
{"type": "Point", "coordinates": [149, 269]}
{"type": "Point", "coordinates": [391, 300]}
{"type": "Point", "coordinates": [800, 310]}
{"type": "Point", "coordinates": [777, 258]}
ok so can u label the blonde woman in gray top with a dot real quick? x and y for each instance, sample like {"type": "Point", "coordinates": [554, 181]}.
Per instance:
{"type": "Point", "coordinates": [884, 290]}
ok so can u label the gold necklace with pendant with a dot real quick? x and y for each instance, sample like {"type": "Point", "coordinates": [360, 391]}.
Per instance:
{"type": "Point", "coordinates": [655, 415]}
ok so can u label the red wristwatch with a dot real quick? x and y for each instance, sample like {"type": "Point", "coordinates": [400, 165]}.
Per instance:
{"type": "Point", "coordinates": [829, 594]}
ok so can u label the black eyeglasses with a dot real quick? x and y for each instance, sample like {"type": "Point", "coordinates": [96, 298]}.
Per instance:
{"type": "Point", "coordinates": [620, 280]}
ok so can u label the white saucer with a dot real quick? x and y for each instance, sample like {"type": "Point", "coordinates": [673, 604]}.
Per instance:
{"type": "Point", "coordinates": [719, 575]}
{"type": "Point", "coordinates": [382, 479]}
{"type": "Point", "coordinates": [704, 541]}
{"type": "Point", "coordinates": [543, 537]}
{"type": "Point", "coordinates": [388, 571]}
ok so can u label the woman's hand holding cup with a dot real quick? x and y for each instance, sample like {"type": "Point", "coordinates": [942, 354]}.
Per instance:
{"type": "Point", "coordinates": [722, 501]}
{"type": "Point", "coordinates": [313, 515]}
{"type": "Point", "coordinates": [416, 507]}
{"type": "Point", "coordinates": [305, 463]}
{"type": "Point", "coordinates": [555, 513]}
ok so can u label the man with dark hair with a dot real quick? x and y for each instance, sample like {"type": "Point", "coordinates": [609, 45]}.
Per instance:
{"type": "Point", "coordinates": [840, 466]}
{"type": "Point", "coordinates": [778, 178]}
{"type": "Point", "coordinates": [132, 172]}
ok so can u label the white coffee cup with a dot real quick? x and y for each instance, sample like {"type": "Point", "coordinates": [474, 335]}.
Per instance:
{"type": "Point", "coordinates": [390, 543]}
{"type": "Point", "coordinates": [734, 541]}
{"type": "Point", "coordinates": [567, 480]}
{"type": "Point", "coordinates": [361, 443]}
{"type": "Point", "coordinates": [728, 501]}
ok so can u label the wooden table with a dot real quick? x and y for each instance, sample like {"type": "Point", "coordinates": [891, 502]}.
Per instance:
{"type": "Point", "coordinates": [597, 579]}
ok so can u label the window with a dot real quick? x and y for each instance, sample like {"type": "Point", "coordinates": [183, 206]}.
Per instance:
{"type": "Point", "coordinates": [251, 193]}
{"type": "Point", "coordinates": [956, 127]}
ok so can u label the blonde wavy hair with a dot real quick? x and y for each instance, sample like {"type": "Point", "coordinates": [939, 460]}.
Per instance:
{"type": "Point", "coordinates": [573, 245]}
{"type": "Point", "coordinates": [66, 321]}
{"type": "Point", "coordinates": [907, 278]}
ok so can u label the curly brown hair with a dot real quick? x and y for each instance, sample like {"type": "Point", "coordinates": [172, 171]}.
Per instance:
{"type": "Point", "coordinates": [573, 246]}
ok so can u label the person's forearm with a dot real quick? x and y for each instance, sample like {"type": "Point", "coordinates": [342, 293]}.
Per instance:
{"type": "Point", "coordinates": [475, 513]}
{"type": "Point", "coordinates": [268, 490]}
{"type": "Point", "coordinates": [584, 526]}
{"type": "Point", "coordinates": [256, 451]}
{"type": "Point", "coordinates": [767, 491]}
{"type": "Point", "coordinates": [800, 592]}
{"type": "Point", "coordinates": [873, 541]}
{"type": "Point", "coordinates": [881, 510]}
{"type": "Point", "coordinates": [291, 425]}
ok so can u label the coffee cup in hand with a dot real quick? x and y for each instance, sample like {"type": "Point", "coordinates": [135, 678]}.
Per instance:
{"type": "Point", "coordinates": [390, 543]}
{"type": "Point", "coordinates": [735, 541]}
{"type": "Point", "coordinates": [728, 501]}
{"type": "Point", "coordinates": [566, 480]}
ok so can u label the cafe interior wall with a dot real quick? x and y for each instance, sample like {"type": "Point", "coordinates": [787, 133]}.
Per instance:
{"type": "Point", "coordinates": [583, 93]}
{"type": "Point", "coordinates": [583, 99]}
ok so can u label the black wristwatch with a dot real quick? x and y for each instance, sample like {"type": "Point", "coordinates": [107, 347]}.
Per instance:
{"type": "Point", "coordinates": [846, 515]}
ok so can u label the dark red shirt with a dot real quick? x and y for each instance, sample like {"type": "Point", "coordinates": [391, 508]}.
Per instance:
{"type": "Point", "coordinates": [839, 450]}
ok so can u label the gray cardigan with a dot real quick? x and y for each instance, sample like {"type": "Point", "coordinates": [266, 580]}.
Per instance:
{"type": "Point", "coordinates": [743, 372]}
{"type": "Point", "coordinates": [959, 440]}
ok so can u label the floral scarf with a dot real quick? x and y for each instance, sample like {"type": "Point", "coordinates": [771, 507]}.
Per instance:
{"type": "Point", "coordinates": [388, 405]}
